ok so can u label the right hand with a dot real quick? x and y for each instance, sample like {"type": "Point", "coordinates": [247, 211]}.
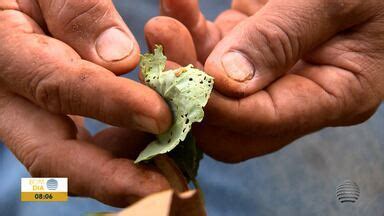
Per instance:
{"type": "Point", "coordinates": [282, 69]}
{"type": "Point", "coordinates": [61, 58]}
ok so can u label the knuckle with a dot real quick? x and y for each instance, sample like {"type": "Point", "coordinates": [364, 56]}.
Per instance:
{"type": "Point", "coordinates": [350, 12]}
{"type": "Point", "coordinates": [120, 193]}
{"type": "Point", "coordinates": [278, 43]}
{"type": "Point", "coordinates": [76, 15]}
{"type": "Point", "coordinates": [337, 8]}
{"type": "Point", "coordinates": [46, 91]}
{"type": "Point", "coordinates": [33, 165]}
{"type": "Point", "coordinates": [33, 158]}
{"type": "Point", "coordinates": [359, 93]}
{"type": "Point", "coordinates": [361, 102]}
{"type": "Point", "coordinates": [58, 94]}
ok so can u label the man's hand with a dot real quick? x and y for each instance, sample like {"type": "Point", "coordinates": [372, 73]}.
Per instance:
{"type": "Point", "coordinates": [282, 69]}
{"type": "Point", "coordinates": [60, 57]}
{"type": "Point", "coordinates": [101, 167]}
{"type": "Point", "coordinates": [65, 73]}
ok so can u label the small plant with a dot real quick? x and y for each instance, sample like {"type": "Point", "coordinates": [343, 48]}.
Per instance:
{"type": "Point", "coordinates": [187, 91]}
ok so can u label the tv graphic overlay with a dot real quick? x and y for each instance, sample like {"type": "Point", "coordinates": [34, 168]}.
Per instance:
{"type": "Point", "coordinates": [348, 192]}
{"type": "Point", "coordinates": [44, 189]}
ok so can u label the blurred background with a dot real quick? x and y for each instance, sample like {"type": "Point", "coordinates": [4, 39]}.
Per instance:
{"type": "Point", "coordinates": [300, 179]}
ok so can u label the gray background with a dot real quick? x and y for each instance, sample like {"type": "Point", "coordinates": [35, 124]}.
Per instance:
{"type": "Point", "coordinates": [299, 180]}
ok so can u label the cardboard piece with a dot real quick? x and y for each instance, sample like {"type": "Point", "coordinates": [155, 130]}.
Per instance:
{"type": "Point", "coordinates": [167, 203]}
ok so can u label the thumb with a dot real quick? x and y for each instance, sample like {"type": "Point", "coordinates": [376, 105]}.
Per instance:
{"type": "Point", "coordinates": [204, 33]}
{"type": "Point", "coordinates": [95, 30]}
{"type": "Point", "coordinates": [268, 44]}
{"type": "Point", "coordinates": [51, 75]}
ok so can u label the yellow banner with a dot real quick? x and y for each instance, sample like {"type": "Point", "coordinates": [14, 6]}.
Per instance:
{"type": "Point", "coordinates": [44, 197]}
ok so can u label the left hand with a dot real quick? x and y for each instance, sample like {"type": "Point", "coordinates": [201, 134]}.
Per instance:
{"type": "Point", "coordinates": [100, 166]}
{"type": "Point", "coordinates": [319, 66]}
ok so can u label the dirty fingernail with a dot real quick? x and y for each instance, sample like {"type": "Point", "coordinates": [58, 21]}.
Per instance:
{"type": "Point", "coordinates": [237, 66]}
{"type": "Point", "coordinates": [114, 45]}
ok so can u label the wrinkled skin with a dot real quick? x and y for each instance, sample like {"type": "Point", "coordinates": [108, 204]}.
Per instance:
{"type": "Point", "coordinates": [60, 58]}
{"type": "Point", "coordinates": [282, 69]}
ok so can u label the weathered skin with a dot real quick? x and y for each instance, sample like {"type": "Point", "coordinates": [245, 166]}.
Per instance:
{"type": "Point", "coordinates": [61, 57]}
{"type": "Point", "coordinates": [282, 68]}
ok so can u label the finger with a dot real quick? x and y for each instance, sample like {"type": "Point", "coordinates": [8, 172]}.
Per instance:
{"type": "Point", "coordinates": [52, 75]}
{"type": "Point", "coordinates": [240, 10]}
{"type": "Point", "coordinates": [291, 108]}
{"type": "Point", "coordinates": [79, 121]}
{"type": "Point", "coordinates": [204, 33]}
{"type": "Point", "coordinates": [303, 101]}
{"type": "Point", "coordinates": [169, 65]}
{"type": "Point", "coordinates": [125, 143]}
{"type": "Point", "coordinates": [248, 7]}
{"type": "Point", "coordinates": [91, 171]}
{"type": "Point", "coordinates": [95, 30]}
{"type": "Point", "coordinates": [297, 104]}
{"type": "Point", "coordinates": [122, 143]}
{"type": "Point", "coordinates": [128, 144]}
{"type": "Point", "coordinates": [82, 132]}
{"type": "Point", "coordinates": [30, 8]}
{"type": "Point", "coordinates": [269, 43]}
{"type": "Point", "coordinates": [358, 51]}
{"type": "Point", "coordinates": [233, 147]}
{"type": "Point", "coordinates": [228, 19]}
{"type": "Point", "coordinates": [172, 35]}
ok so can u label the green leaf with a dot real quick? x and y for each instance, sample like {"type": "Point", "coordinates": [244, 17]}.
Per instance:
{"type": "Point", "coordinates": [186, 90]}
{"type": "Point", "coordinates": [187, 156]}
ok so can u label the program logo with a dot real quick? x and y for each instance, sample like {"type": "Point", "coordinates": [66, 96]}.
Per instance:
{"type": "Point", "coordinates": [44, 189]}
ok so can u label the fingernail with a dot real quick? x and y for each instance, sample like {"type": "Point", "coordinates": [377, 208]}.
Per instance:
{"type": "Point", "coordinates": [145, 123]}
{"type": "Point", "coordinates": [237, 66]}
{"type": "Point", "coordinates": [165, 4]}
{"type": "Point", "coordinates": [114, 45]}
